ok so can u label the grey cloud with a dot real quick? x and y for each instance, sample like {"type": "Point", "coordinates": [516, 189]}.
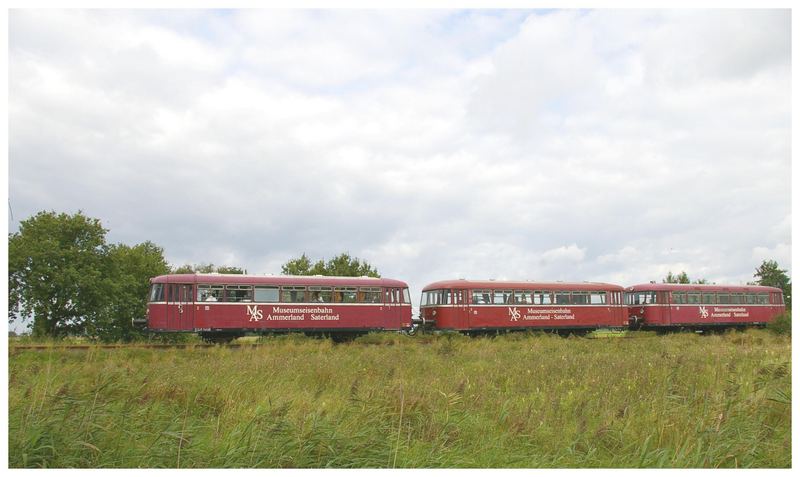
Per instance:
{"type": "Point", "coordinates": [559, 146]}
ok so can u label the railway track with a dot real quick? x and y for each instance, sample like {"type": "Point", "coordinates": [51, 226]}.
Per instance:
{"type": "Point", "coordinates": [13, 348]}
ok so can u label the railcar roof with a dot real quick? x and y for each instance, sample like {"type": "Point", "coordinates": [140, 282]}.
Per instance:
{"type": "Point", "coordinates": [232, 279]}
{"type": "Point", "coordinates": [699, 287]}
{"type": "Point", "coordinates": [525, 285]}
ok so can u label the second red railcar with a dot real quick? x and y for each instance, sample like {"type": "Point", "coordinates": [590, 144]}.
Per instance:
{"type": "Point", "coordinates": [465, 305]}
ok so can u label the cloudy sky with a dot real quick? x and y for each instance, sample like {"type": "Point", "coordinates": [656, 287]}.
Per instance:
{"type": "Point", "coordinates": [607, 145]}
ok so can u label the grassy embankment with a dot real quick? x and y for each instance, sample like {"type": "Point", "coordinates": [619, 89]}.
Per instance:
{"type": "Point", "coordinates": [518, 400]}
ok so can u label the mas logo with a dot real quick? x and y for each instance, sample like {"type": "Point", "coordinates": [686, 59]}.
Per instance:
{"type": "Point", "coordinates": [254, 313]}
{"type": "Point", "coordinates": [703, 312]}
{"type": "Point", "coordinates": [513, 313]}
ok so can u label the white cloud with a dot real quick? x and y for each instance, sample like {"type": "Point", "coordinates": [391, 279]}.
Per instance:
{"type": "Point", "coordinates": [574, 145]}
{"type": "Point", "coordinates": [571, 253]}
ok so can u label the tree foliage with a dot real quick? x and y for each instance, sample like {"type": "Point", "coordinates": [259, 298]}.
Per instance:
{"type": "Point", "coordinates": [69, 281]}
{"type": "Point", "coordinates": [55, 272]}
{"type": "Point", "coordinates": [682, 278]}
{"type": "Point", "coordinates": [208, 268]}
{"type": "Point", "coordinates": [771, 275]}
{"type": "Point", "coordinates": [128, 274]}
{"type": "Point", "coordinates": [342, 265]}
{"type": "Point", "coordinates": [679, 278]}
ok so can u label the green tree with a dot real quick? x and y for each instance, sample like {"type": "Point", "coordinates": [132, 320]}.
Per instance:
{"type": "Point", "coordinates": [231, 270]}
{"type": "Point", "coordinates": [55, 272]}
{"type": "Point", "coordinates": [298, 266]}
{"type": "Point", "coordinates": [771, 275]}
{"type": "Point", "coordinates": [679, 278]}
{"type": "Point", "coordinates": [682, 278]}
{"type": "Point", "coordinates": [342, 265]}
{"type": "Point", "coordinates": [208, 268]}
{"type": "Point", "coordinates": [128, 273]}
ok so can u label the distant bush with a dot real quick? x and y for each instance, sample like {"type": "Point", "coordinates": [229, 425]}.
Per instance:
{"type": "Point", "coordinates": [782, 324]}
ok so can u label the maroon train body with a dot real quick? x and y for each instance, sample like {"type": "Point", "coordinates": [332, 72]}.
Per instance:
{"type": "Point", "coordinates": [465, 305]}
{"type": "Point", "coordinates": [222, 307]}
{"type": "Point", "coordinates": [663, 306]}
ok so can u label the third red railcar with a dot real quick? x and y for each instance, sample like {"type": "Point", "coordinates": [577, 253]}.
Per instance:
{"type": "Point", "coordinates": [665, 305]}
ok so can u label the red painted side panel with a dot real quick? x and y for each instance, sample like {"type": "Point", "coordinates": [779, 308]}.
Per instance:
{"type": "Point", "coordinates": [700, 315]}
{"type": "Point", "coordinates": [521, 316]}
{"type": "Point", "coordinates": [173, 305]}
{"type": "Point", "coordinates": [275, 316]}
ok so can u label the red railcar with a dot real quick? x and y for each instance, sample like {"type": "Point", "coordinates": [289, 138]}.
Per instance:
{"type": "Point", "coordinates": [505, 305]}
{"type": "Point", "coordinates": [222, 307]}
{"type": "Point", "coordinates": [666, 305]}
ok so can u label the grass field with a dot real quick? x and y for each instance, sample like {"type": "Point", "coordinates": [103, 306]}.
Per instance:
{"type": "Point", "coordinates": [386, 400]}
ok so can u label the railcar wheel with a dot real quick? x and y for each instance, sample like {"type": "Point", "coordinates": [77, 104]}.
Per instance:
{"type": "Point", "coordinates": [343, 337]}
{"type": "Point", "coordinates": [218, 338]}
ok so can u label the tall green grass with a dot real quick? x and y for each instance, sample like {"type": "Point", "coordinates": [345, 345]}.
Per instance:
{"type": "Point", "coordinates": [389, 400]}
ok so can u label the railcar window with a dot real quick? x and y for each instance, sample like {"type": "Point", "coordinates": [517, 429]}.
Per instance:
{"type": "Point", "coordinates": [157, 292]}
{"type": "Point", "coordinates": [210, 292]}
{"type": "Point", "coordinates": [693, 298]}
{"type": "Point", "coordinates": [481, 297]}
{"type": "Point", "coordinates": [446, 297]}
{"type": "Point", "coordinates": [522, 297]}
{"type": "Point", "coordinates": [709, 298]}
{"type": "Point", "coordinates": [344, 294]}
{"type": "Point", "coordinates": [723, 298]}
{"type": "Point", "coordinates": [432, 297]}
{"type": "Point", "coordinates": [293, 294]}
{"type": "Point", "coordinates": [266, 294]}
{"type": "Point", "coordinates": [598, 298]}
{"type": "Point", "coordinates": [641, 298]}
{"type": "Point", "coordinates": [737, 298]}
{"type": "Point", "coordinates": [544, 297]}
{"type": "Point", "coordinates": [370, 294]}
{"type": "Point", "coordinates": [406, 296]}
{"type": "Point", "coordinates": [562, 298]}
{"type": "Point", "coordinates": [678, 298]}
{"type": "Point", "coordinates": [763, 299]}
{"type": "Point", "coordinates": [392, 295]}
{"type": "Point", "coordinates": [580, 298]}
{"type": "Point", "coordinates": [437, 297]}
{"type": "Point", "coordinates": [238, 293]}
{"type": "Point", "coordinates": [751, 298]}
{"type": "Point", "coordinates": [501, 297]}
{"type": "Point", "coordinates": [428, 298]}
{"type": "Point", "coordinates": [325, 294]}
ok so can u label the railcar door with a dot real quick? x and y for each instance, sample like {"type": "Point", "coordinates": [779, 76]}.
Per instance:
{"type": "Point", "coordinates": [665, 306]}
{"type": "Point", "coordinates": [460, 308]}
{"type": "Point", "coordinates": [180, 309]}
{"type": "Point", "coordinates": [393, 299]}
